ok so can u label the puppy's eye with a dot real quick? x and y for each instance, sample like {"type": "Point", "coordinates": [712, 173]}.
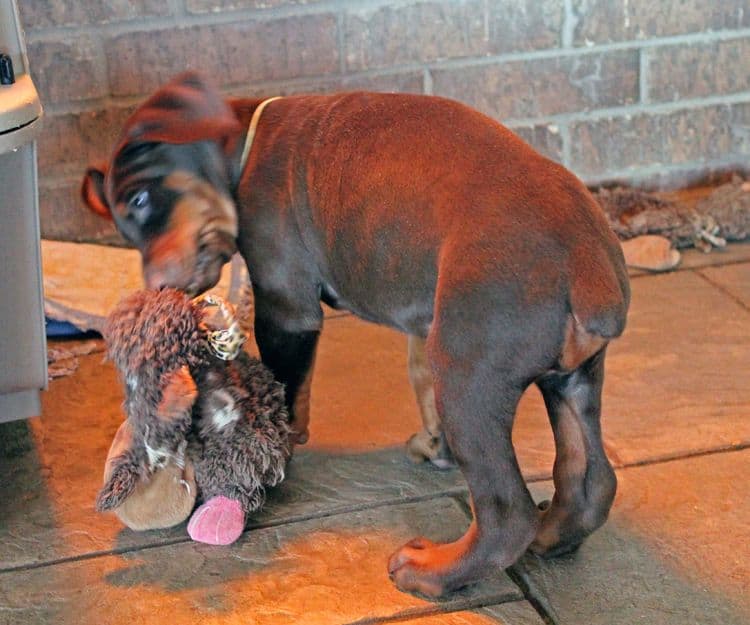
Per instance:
{"type": "Point", "coordinates": [139, 206]}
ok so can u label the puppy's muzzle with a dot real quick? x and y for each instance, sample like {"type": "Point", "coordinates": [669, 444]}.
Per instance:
{"type": "Point", "coordinates": [196, 272]}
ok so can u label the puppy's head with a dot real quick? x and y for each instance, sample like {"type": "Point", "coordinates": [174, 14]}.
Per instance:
{"type": "Point", "coordinates": [167, 185]}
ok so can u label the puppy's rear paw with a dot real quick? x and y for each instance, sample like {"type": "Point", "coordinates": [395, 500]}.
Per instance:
{"type": "Point", "coordinates": [423, 446]}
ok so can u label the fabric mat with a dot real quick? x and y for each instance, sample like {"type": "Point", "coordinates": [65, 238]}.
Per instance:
{"type": "Point", "coordinates": [83, 282]}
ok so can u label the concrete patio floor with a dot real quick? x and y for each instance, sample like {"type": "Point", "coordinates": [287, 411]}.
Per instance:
{"type": "Point", "coordinates": [676, 549]}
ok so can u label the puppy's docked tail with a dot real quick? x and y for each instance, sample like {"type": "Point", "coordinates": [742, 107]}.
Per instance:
{"type": "Point", "coordinates": [599, 289]}
{"type": "Point", "coordinates": [598, 299]}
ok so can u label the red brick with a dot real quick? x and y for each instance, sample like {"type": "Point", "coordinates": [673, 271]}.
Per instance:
{"type": "Point", "coordinates": [621, 20]}
{"type": "Point", "coordinates": [70, 142]}
{"type": "Point", "coordinates": [405, 82]}
{"type": "Point", "coordinates": [428, 31]}
{"type": "Point", "coordinates": [539, 87]}
{"type": "Point", "coordinates": [67, 70]}
{"type": "Point", "coordinates": [544, 139]}
{"type": "Point", "coordinates": [650, 139]}
{"type": "Point", "coordinates": [46, 13]}
{"type": "Point", "coordinates": [531, 25]}
{"type": "Point", "coordinates": [63, 216]}
{"type": "Point", "coordinates": [231, 54]}
{"type": "Point", "coordinates": [408, 82]}
{"type": "Point", "coordinates": [699, 70]}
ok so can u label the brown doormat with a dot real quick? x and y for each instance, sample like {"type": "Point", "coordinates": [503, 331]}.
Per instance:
{"type": "Point", "coordinates": [83, 282]}
{"type": "Point", "coordinates": [722, 216]}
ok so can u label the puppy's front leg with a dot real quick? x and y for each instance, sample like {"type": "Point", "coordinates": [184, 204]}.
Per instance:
{"type": "Point", "coordinates": [287, 332]}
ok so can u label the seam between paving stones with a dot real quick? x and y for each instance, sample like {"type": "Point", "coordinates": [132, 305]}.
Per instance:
{"type": "Point", "coordinates": [454, 493]}
{"type": "Point", "coordinates": [721, 287]}
{"type": "Point", "coordinates": [686, 455]}
{"type": "Point", "coordinates": [536, 597]}
{"type": "Point", "coordinates": [458, 605]}
{"type": "Point", "coordinates": [323, 514]}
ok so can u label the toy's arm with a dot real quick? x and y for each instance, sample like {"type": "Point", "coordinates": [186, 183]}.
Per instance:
{"type": "Point", "coordinates": [163, 499]}
{"type": "Point", "coordinates": [178, 396]}
{"type": "Point", "coordinates": [120, 471]}
{"type": "Point", "coordinates": [167, 429]}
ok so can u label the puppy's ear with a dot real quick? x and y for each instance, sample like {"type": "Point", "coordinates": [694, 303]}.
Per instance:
{"type": "Point", "coordinates": [185, 110]}
{"type": "Point", "coordinates": [92, 191]}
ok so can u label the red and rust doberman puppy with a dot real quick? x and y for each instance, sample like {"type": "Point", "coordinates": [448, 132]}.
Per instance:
{"type": "Point", "coordinates": [418, 213]}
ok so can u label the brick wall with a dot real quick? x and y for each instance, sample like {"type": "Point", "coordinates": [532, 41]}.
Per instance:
{"type": "Point", "coordinates": [650, 91]}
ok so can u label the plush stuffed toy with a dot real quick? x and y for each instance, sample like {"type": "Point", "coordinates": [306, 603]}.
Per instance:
{"type": "Point", "coordinates": [205, 421]}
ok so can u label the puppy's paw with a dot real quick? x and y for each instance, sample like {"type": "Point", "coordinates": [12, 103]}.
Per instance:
{"type": "Point", "coordinates": [423, 446]}
{"type": "Point", "coordinates": [412, 569]}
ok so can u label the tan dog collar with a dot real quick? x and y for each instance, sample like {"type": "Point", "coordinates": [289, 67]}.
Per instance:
{"type": "Point", "coordinates": [251, 131]}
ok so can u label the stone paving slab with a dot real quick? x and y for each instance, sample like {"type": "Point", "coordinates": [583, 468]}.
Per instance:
{"type": "Point", "coordinates": [735, 279]}
{"type": "Point", "coordinates": [325, 571]}
{"type": "Point", "coordinates": [676, 382]}
{"type": "Point", "coordinates": [674, 550]}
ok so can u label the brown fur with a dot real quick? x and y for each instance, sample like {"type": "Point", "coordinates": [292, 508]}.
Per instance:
{"type": "Point", "coordinates": [176, 392]}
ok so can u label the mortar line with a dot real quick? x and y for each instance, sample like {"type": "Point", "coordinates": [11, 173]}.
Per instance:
{"type": "Point", "coordinates": [566, 142]}
{"type": "Point", "coordinates": [341, 40]}
{"type": "Point", "coordinates": [427, 83]}
{"type": "Point", "coordinates": [722, 288]}
{"type": "Point", "coordinates": [644, 75]}
{"type": "Point", "coordinates": [569, 23]}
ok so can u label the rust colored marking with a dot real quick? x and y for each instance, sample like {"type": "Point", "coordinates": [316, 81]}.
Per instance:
{"type": "Point", "coordinates": [420, 377]}
{"type": "Point", "coordinates": [578, 345]}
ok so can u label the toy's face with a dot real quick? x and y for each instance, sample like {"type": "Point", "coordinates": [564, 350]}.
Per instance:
{"type": "Point", "coordinates": [151, 333]}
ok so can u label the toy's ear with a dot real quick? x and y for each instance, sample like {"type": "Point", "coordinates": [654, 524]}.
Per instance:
{"type": "Point", "coordinates": [178, 396]}
{"type": "Point", "coordinates": [120, 471]}
{"type": "Point", "coordinates": [92, 191]}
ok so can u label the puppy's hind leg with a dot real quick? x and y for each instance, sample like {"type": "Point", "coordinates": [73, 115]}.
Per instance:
{"type": "Point", "coordinates": [585, 482]}
{"type": "Point", "coordinates": [429, 443]}
{"type": "Point", "coordinates": [476, 400]}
